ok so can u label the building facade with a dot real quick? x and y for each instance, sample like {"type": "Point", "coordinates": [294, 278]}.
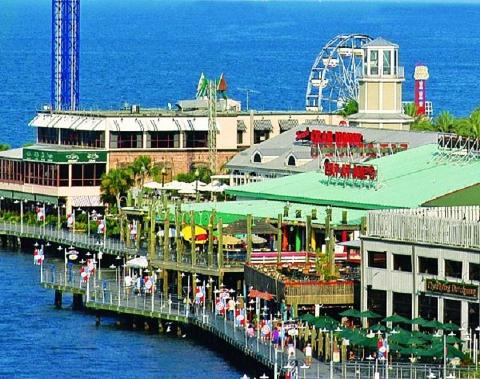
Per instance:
{"type": "Point", "coordinates": [423, 262]}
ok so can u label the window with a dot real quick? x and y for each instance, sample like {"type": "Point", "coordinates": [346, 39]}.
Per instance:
{"type": "Point", "coordinates": [402, 304]}
{"type": "Point", "coordinates": [196, 139]}
{"type": "Point", "coordinates": [474, 271]}
{"type": "Point", "coordinates": [427, 307]}
{"type": "Point", "coordinates": [47, 135]}
{"type": "Point", "coordinates": [239, 137]}
{"type": "Point", "coordinates": [11, 171]}
{"type": "Point", "coordinates": [82, 138]}
{"type": "Point", "coordinates": [87, 175]}
{"type": "Point", "coordinates": [428, 265]}
{"type": "Point", "coordinates": [377, 301]}
{"type": "Point", "coordinates": [452, 311]}
{"type": "Point", "coordinates": [260, 136]}
{"type": "Point", "coordinates": [473, 315]}
{"type": "Point", "coordinates": [125, 140]}
{"type": "Point", "coordinates": [291, 161]}
{"type": "Point", "coordinates": [453, 268]}
{"type": "Point", "coordinates": [387, 62]}
{"type": "Point", "coordinates": [257, 158]}
{"type": "Point", "coordinates": [374, 62]}
{"type": "Point", "coordinates": [377, 259]}
{"type": "Point", "coordinates": [402, 262]}
{"type": "Point", "coordinates": [159, 140]}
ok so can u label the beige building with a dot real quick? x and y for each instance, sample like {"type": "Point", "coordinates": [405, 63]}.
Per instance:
{"type": "Point", "coordinates": [74, 149]}
{"type": "Point", "coordinates": [380, 92]}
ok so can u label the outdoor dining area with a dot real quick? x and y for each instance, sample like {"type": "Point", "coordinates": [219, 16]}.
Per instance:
{"type": "Point", "coordinates": [188, 190]}
{"type": "Point", "coordinates": [390, 339]}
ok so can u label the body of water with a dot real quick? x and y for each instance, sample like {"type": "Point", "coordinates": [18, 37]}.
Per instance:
{"type": "Point", "coordinates": [151, 52]}
{"type": "Point", "coordinates": [39, 341]}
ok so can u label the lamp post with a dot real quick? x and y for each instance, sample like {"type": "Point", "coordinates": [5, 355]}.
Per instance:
{"type": "Point", "coordinates": [197, 175]}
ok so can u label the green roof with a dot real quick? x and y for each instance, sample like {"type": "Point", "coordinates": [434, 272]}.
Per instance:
{"type": "Point", "coordinates": [230, 211]}
{"type": "Point", "coordinates": [405, 180]}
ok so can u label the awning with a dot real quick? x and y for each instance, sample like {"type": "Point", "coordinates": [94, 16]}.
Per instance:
{"type": "Point", "coordinates": [241, 127]}
{"type": "Point", "coordinates": [89, 124]}
{"type": "Point", "coordinates": [265, 125]}
{"type": "Point", "coordinates": [86, 201]}
{"type": "Point", "coordinates": [46, 199]}
{"type": "Point", "coordinates": [162, 124]}
{"type": "Point", "coordinates": [6, 194]}
{"type": "Point", "coordinates": [23, 196]}
{"type": "Point", "coordinates": [287, 124]}
{"type": "Point", "coordinates": [197, 124]}
{"type": "Point", "coordinates": [126, 124]}
{"type": "Point", "coordinates": [355, 244]}
{"type": "Point", "coordinates": [262, 295]}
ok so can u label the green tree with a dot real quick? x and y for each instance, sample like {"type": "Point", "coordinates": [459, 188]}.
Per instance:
{"type": "Point", "coordinates": [114, 184]}
{"type": "Point", "coordinates": [350, 107]}
{"type": "Point", "coordinates": [420, 121]}
{"type": "Point", "coordinates": [204, 175]}
{"type": "Point", "coordinates": [474, 124]}
{"type": "Point", "coordinates": [4, 146]}
{"type": "Point", "coordinates": [142, 168]}
{"type": "Point", "coordinates": [444, 122]}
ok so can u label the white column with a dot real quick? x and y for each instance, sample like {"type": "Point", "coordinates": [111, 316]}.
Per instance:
{"type": "Point", "coordinates": [440, 309]}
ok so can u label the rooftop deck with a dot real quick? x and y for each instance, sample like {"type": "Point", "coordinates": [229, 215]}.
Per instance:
{"type": "Point", "coordinates": [452, 226]}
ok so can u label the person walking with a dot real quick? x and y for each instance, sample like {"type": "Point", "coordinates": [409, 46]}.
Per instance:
{"type": "Point", "coordinates": [308, 354]}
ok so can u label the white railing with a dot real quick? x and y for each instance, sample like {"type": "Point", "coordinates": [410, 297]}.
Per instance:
{"type": "Point", "coordinates": [452, 226]}
{"type": "Point", "coordinates": [67, 237]}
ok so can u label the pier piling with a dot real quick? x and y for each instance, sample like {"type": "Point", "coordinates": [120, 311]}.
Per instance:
{"type": "Point", "coordinates": [58, 299]}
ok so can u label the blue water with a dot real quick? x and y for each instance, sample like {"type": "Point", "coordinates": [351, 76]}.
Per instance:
{"type": "Point", "coordinates": [38, 341]}
{"type": "Point", "coordinates": [152, 52]}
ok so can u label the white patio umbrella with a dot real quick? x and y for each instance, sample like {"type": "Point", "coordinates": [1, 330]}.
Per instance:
{"type": "Point", "coordinates": [153, 185]}
{"type": "Point", "coordinates": [140, 262]}
{"type": "Point", "coordinates": [174, 185]}
{"type": "Point", "coordinates": [187, 191]}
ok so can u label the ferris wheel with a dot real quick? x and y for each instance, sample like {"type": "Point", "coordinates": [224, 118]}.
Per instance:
{"type": "Point", "coordinates": [334, 76]}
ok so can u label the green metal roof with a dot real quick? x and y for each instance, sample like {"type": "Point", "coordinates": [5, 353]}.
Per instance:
{"type": "Point", "coordinates": [230, 211]}
{"type": "Point", "coordinates": [405, 180]}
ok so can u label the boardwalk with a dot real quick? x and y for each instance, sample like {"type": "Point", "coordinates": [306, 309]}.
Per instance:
{"type": "Point", "coordinates": [107, 295]}
{"type": "Point", "coordinates": [64, 237]}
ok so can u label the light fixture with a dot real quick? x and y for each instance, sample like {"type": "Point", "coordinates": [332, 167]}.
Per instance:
{"type": "Point", "coordinates": [59, 248]}
{"type": "Point", "coordinates": [35, 244]}
{"type": "Point", "coordinates": [88, 254]}
{"type": "Point", "coordinates": [112, 266]}
{"type": "Point", "coordinates": [118, 257]}
{"type": "Point", "coordinates": [48, 244]}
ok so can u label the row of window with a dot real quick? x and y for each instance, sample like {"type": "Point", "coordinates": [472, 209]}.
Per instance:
{"type": "Point", "coordinates": [426, 265]}
{"type": "Point", "coordinates": [52, 175]}
{"type": "Point", "coordinates": [427, 307]}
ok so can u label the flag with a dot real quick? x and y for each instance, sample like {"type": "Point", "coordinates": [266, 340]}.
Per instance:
{"type": "Point", "coordinates": [70, 220]}
{"type": "Point", "coordinates": [40, 213]}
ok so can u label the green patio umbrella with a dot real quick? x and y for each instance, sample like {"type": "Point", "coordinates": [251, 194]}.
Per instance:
{"type": "Point", "coordinates": [453, 339]}
{"type": "Point", "coordinates": [378, 327]}
{"type": "Point", "coordinates": [450, 326]}
{"type": "Point", "coordinates": [415, 341]}
{"type": "Point", "coordinates": [369, 314]}
{"type": "Point", "coordinates": [396, 319]}
{"type": "Point", "coordinates": [422, 352]}
{"type": "Point", "coordinates": [433, 324]}
{"type": "Point", "coordinates": [307, 317]}
{"type": "Point", "coordinates": [418, 321]}
{"type": "Point", "coordinates": [350, 313]}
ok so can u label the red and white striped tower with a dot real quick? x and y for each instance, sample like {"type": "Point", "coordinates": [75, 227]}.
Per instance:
{"type": "Point", "coordinates": [421, 76]}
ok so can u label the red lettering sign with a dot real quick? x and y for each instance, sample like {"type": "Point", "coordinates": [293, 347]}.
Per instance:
{"type": "Point", "coordinates": [327, 137]}
{"type": "Point", "coordinates": [348, 171]}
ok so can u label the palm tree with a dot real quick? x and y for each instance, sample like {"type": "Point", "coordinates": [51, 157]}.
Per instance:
{"type": "Point", "coordinates": [350, 107]}
{"type": "Point", "coordinates": [420, 121]}
{"type": "Point", "coordinates": [114, 184]}
{"type": "Point", "coordinates": [474, 123]}
{"type": "Point", "coordinates": [143, 167]}
{"type": "Point", "coordinates": [444, 122]}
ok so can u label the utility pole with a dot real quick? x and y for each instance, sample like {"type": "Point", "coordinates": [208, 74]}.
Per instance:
{"type": "Point", "coordinates": [212, 126]}
{"type": "Point", "coordinates": [248, 91]}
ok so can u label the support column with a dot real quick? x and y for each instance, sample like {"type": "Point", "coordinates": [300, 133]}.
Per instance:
{"type": "Point", "coordinates": [166, 236]}
{"type": "Point", "coordinates": [152, 237]}
{"type": "Point", "coordinates": [178, 228]}
{"type": "Point", "coordinates": [77, 302]}
{"type": "Point", "coordinates": [210, 239]}
{"type": "Point", "coordinates": [249, 237]}
{"type": "Point", "coordinates": [220, 244]}
{"type": "Point", "coordinates": [193, 239]}
{"type": "Point", "coordinates": [165, 283]}
{"type": "Point", "coordinates": [179, 285]}
{"type": "Point", "coordinates": [279, 238]}
{"type": "Point", "coordinates": [58, 299]}
{"type": "Point", "coordinates": [308, 235]}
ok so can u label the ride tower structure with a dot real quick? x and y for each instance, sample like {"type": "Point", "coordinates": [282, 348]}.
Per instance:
{"type": "Point", "coordinates": [65, 54]}
{"type": "Point", "coordinates": [421, 76]}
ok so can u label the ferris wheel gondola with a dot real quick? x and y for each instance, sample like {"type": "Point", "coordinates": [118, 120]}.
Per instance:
{"type": "Point", "coordinates": [334, 75]}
